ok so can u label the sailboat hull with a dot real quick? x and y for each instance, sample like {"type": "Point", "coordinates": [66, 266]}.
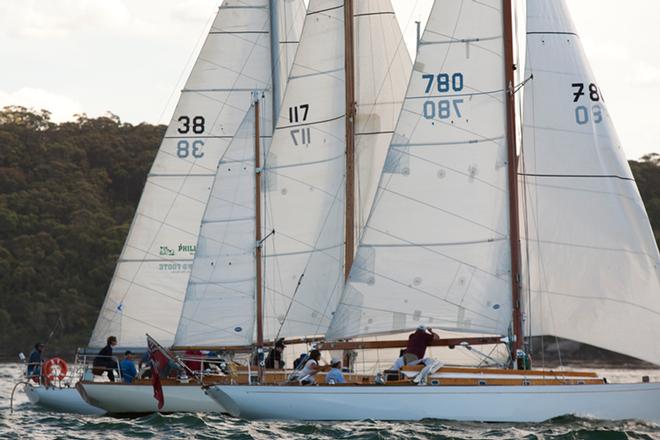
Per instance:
{"type": "Point", "coordinates": [461, 403]}
{"type": "Point", "coordinates": [66, 400]}
{"type": "Point", "coordinates": [118, 398]}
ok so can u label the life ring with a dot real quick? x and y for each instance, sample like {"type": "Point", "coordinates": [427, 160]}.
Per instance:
{"type": "Point", "coordinates": [55, 368]}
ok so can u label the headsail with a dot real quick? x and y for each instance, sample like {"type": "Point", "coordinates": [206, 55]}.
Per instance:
{"type": "Point", "coordinates": [435, 248]}
{"type": "Point", "coordinates": [593, 270]}
{"type": "Point", "coordinates": [146, 292]}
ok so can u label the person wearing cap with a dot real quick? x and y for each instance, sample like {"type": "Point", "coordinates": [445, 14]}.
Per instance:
{"type": "Point", "coordinates": [35, 360]}
{"type": "Point", "coordinates": [127, 367]}
{"type": "Point", "coordinates": [419, 340]}
{"type": "Point", "coordinates": [335, 375]}
{"type": "Point", "coordinates": [274, 359]}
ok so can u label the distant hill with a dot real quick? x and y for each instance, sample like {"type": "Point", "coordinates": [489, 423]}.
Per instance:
{"type": "Point", "coordinates": [67, 196]}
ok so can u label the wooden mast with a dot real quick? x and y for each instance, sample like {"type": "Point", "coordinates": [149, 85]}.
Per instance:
{"type": "Point", "coordinates": [257, 203]}
{"type": "Point", "coordinates": [512, 158]}
{"type": "Point", "coordinates": [349, 247]}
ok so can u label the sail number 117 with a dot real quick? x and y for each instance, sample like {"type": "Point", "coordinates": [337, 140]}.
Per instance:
{"type": "Point", "coordinates": [443, 83]}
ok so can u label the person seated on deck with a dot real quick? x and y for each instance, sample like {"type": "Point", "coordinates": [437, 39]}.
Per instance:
{"type": "Point", "coordinates": [144, 365]}
{"type": "Point", "coordinates": [104, 360]}
{"type": "Point", "coordinates": [274, 359]}
{"type": "Point", "coordinates": [34, 361]}
{"type": "Point", "coordinates": [127, 367]}
{"type": "Point", "coordinates": [335, 375]}
{"type": "Point", "coordinates": [300, 361]}
{"type": "Point", "coordinates": [311, 368]}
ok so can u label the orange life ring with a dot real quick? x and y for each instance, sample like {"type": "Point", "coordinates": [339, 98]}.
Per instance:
{"type": "Point", "coordinates": [55, 368]}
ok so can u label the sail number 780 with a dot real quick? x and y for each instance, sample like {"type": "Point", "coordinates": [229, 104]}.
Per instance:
{"type": "Point", "coordinates": [443, 83]}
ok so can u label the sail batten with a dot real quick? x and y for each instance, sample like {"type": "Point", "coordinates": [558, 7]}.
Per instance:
{"type": "Point", "coordinates": [591, 261]}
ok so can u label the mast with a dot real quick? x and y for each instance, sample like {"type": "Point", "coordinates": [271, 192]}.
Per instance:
{"type": "Point", "coordinates": [349, 247]}
{"type": "Point", "coordinates": [514, 228]}
{"type": "Point", "coordinates": [257, 204]}
{"type": "Point", "coordinates": [275, 57]}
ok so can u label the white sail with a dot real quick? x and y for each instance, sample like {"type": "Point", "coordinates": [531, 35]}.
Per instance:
{"type": "Point", "coordinates": [147, 289]}
{"type": "Point", "coordinates": [220, 298]}
{"type": "Point", "coordinates": [383, 69]}
{"type": "Point", "coordinates": [593, 267]}
{"type": "Point", "coordinates": [435, 249]}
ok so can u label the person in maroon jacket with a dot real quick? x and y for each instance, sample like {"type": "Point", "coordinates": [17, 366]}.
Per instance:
{"type": "Point", "coordinates": [418, 341]}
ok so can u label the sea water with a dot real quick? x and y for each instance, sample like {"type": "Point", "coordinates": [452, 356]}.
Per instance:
{"type": "Point", "coordinates": [28, 421]}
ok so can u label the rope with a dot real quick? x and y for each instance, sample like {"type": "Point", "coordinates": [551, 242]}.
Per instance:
{"type": "Point", "coordinates": [11, 399]}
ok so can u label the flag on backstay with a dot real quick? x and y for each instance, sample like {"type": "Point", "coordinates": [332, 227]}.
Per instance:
{"type": "Point", "coordinates": [160, 365]}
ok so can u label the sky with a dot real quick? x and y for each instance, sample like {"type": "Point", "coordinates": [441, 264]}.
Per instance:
{"type": "Point", "coordinates": [131, 57]}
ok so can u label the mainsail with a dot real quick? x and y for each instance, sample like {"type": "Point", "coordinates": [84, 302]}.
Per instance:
{"type": "Point", "coordinates": [147, 289]}
{"type": "Point", "coordinates": [435, 249]}
{"type": "Point", "coordinates": [593, 270]}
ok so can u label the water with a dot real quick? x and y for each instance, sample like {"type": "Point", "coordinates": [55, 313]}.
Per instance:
{"type": "Point", "coordinates": [28, 421]}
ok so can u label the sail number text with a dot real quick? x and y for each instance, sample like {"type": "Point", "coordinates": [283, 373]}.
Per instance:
{"type": "Point", "coordinates": [590, 112]}
{"type": "Point", "coordinates": [302, 135]}
{"type": "Point", "coordinates": [443, 83]}
{"type": "Point", "coordinates": [184, 147]}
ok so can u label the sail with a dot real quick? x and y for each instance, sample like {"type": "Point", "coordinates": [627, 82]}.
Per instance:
{"type": "Point", "coordinates": [382, 66]}
{"type": "Point", "coordinates": [435, 249]}
{"type": "Point", "coordinates": [593, 270]}
{"type": "Point", "coordinates": [147, 289]}
{"type": "Point", "coordinates": [220, 298]}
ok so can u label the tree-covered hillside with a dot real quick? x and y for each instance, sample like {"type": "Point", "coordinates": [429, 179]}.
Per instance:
{"type": "Point", "coordinates": [67, 196]}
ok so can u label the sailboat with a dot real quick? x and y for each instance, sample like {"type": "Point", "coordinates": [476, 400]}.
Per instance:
{"type": "Point", "coordinates": [147, 289]}
{"type": "Point", "coordinates": [469, 234]}
{"type": "Point", "coordinates": [258, 183]}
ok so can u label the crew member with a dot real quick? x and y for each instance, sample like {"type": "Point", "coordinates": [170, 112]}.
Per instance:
{"type": "Point", "coordinates": [127, 367]}
{"type": "Point", "coordinates": [104, 361]}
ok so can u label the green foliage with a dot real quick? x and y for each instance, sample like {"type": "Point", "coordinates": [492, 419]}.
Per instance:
{"type": "Point", "coordinates": [67, 196]}
{"type": "Point", "coordinates": [647, 175]}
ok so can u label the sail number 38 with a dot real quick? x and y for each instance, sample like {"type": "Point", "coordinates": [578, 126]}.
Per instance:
{"type": "Point", "coordinates": [184, 147]}
{"type": "Point", "coordinates": [442, 83]}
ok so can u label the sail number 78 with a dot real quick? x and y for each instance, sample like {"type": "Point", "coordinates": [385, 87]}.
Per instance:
{"type": "Point", "coordinates": [443, 83]}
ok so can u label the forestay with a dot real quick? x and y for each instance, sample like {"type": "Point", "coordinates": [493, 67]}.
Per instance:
{"type": "Point", "coordinates": [147, 289]}
{"type": "Point", "coordinates": [435, 248]}
{"type": "Point", "coordinates": [592, 264]}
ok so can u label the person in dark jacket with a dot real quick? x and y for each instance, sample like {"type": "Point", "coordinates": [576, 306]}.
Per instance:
{"type": "Point", "coordinates": [274, 359]}
{"type": "Point", "coordinates": [104, 360]}
{"type": "Point", "coordinates": [35, 360]}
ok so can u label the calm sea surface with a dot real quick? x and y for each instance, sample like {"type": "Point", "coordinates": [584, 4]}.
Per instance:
{"type": "Point", "coordinates": [28, 421]}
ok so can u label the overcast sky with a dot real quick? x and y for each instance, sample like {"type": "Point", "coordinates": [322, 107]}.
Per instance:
{"type": "Point", "coordinates": [131, 57]}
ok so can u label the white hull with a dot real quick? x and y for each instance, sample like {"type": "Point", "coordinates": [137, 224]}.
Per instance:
{"type": "Point", "coordinates": [462, 403]}
{"type": "Point", "coordinates": [60, 399]}
{"type": "Point", "coordinates": [121, 398]}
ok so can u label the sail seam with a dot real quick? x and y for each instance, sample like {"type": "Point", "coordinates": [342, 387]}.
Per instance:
{"type": "Point", "coordinates": [552, 33]}
{"type": "Point", "coordinates": [581, 176]}
{"type": "Point", "coordinates": [237, 32]}
{"type": "Point", "coordinates": [367, 14]}
{"type": "Point", "coordinates": [325, 10]}
{"type": "Point", "coordinates": [282, 127]}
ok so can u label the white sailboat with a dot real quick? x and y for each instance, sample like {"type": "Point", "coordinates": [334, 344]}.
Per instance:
{"type": "Point", "coordinates": [147, 289]}
{"type": "Point", "coordinates": [440, 247]}
{"type": "Point", "coordinates": [303, 166]}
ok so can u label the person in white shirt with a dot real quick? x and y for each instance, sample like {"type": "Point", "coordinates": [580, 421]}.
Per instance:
{"type": "Point", "coordinates": [310, 369]}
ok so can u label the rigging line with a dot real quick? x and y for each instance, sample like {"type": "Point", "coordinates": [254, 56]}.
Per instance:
{"type": "Point", "coordinates": [584, 190]}
{"type": "Point", "coordinates": [303, 164]}
{"type": "Point", "coordinates": [598, 248]}
{"type": "Point", "coordinates": [286, 315]}
{"type": "Point", "coordinates": [325, 10]}
{"type": "Point", "coordinates": [305, 124]}
{"type": "Point", "coordinates": [517, 88]}
{"type": "Point", "coordinates": [437, 208]}
{"type": "Point", "coordinates": [457, 243]}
